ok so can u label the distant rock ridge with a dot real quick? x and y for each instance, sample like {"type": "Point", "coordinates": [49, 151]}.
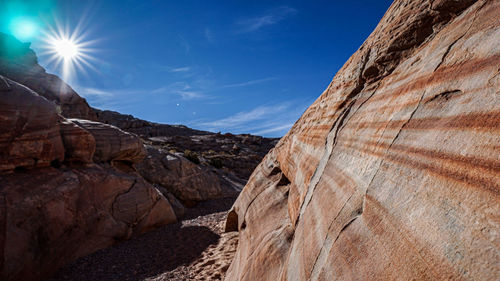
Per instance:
{"type": "Point", "coordinates": [393, 173]}
{"type": "Point", "coordinates": [234, 154]}
{"type": "Point", "coordinates": [144, 128]}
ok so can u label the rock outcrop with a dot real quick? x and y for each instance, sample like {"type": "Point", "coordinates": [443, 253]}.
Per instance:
{"type": "Point", "coordinates": [113, 144]}
{"type": "Point", "coordinates": [183, 178]}
{"type": "Point", "coordinates": [144, 128]}
{"type": "Point", "coordinates": [29, 128]}
{"type": "Point", "coordinates": [233, 154]}
{"type": "Point", "coordinates": [67, 187]}
{"type": "Point", "coordinates": [393, 172]}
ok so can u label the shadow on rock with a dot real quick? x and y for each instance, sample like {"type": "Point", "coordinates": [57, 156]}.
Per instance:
{"type": "Point", "coordinates": [148, 255]}
{"type": "Point", "coordinates": [209, 207]}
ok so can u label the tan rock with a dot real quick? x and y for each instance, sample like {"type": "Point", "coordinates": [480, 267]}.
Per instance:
{"type": "Point", "coordinates": [186, 180]}
{"type": "Point", "coordinates": [79, 144]}
{"type": "Point", "coordinates": [393, 173]}
{"type": "Point", "coordinates": [113, 144]}
{"type": "Point", "coordinates": [50, 217]}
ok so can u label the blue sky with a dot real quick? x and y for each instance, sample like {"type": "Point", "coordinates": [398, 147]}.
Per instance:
{"type": "Point", "coordinates": [229, 66]}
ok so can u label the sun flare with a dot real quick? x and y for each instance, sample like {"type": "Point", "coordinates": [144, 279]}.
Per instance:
{"type": "Point", "coordinates": [69, 50]}
{"type": "Point", "coordinates": [65, 48]}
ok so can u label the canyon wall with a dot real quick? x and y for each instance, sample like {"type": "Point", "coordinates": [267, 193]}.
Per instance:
{"type": "Point", "coordinates": [393, 173]}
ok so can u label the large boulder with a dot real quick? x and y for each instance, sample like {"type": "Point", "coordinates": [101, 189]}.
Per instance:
{"type": "Point", "coordinates": [393, 173]}
{"type": "Point", "coordinates": [113, 144]}
{"type": "Point", "coordinates": [183, 178]}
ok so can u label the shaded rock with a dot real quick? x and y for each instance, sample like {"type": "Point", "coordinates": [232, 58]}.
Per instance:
{"type": "Point", "coordinates": [235, 154]}
{"type": "Point", "coordinates": [144, 128]}
{"type": "Point", "coordinates": [184, 179]}
{"type": "Point", "coordinates": [393, 172]}
{"type": "Point", "coordinates": [29, 129]}
{"type": "Point", "coordinates": [177, 206]}
{"type": "Point", "coordinates": [79, 144]}
{"type": "Point", "coordinates": [113, 144]}
{"type": "Point", "coordinates": [71, 213]}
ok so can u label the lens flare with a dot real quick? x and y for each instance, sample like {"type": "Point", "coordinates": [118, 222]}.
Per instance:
{"type": "Point", "coordinates": [23, 28]}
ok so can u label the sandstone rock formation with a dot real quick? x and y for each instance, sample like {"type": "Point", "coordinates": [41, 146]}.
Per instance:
{"type": "Point", "coordinates": [235, 154]}
{"type": "Point", "coordinates": [59, 197]}
{"type": "Point", "coordinates": [393, 172]}
{"type": "Point", "coordinates": [183, 178]}
{"type": "Point", "coordinates": [29, 128]}
{"type": "Point", "coordinates": [113, 144]}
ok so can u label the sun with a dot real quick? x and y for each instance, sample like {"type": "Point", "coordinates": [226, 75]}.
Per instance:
{"type": "Point", "coordinates": [65, 48]}
{"type": "Point", "coordinates": [69, 50]}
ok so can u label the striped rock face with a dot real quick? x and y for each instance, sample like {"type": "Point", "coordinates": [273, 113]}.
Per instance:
{"type": "Point", "coordinates": [393, 173]}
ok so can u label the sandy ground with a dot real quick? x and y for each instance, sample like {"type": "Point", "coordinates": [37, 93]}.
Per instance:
{"type": "Point", "coordinates": [193, 249]}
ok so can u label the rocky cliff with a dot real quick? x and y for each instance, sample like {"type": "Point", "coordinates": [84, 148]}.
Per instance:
{"type": "Point", "coordinates": [393, 173]}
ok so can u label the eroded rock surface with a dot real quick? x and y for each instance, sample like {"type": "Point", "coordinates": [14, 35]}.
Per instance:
{"type": "Point", "coordinates": [113, 144]}
{"type": "Point", "coordinates": [29, 128]}
{"type": "Point", "coordinates": [393, 172]}
{"type": "Point", "coordinates": [70, 185]}
{"type": "Point", "coordinates": [183, 178]}
{"type": "Point", "coordinates": [56, 203]}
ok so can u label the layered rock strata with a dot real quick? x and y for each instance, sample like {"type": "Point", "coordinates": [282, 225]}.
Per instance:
{"type": "Point", "coordinates": [393, 172]}
{"type": "Point", "coordinates": [67, 187]}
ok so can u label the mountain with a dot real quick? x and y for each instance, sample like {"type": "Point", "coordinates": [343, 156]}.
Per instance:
{"type": "Point", "coordinates": [393, 173]}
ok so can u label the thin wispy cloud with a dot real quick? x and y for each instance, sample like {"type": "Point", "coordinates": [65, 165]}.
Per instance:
{"type": "Point", "coordinates": [270, 17]}
{"type": "Point", "coordinates": [274, 129]}
{"type": "Point", "coordinates": [181, 69]}
{"type": "Point", "coordinates": [243, 117]}
{"type": "Point", "coordinates": [269, 119]}
{"type": "Point", "coordinates": [107, 93]}
{"type": "Point", "coordinates": [181, 89]}
{"type": "Point", "coordinates": [209, 35]}
{"type": "Point", "coordinates": [248, 83]}
{"type": "Point", "coordinates": [94, 92]}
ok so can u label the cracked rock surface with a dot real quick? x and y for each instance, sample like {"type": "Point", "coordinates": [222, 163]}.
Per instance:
{"type": "Point", "coordinates": [393, 172]}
